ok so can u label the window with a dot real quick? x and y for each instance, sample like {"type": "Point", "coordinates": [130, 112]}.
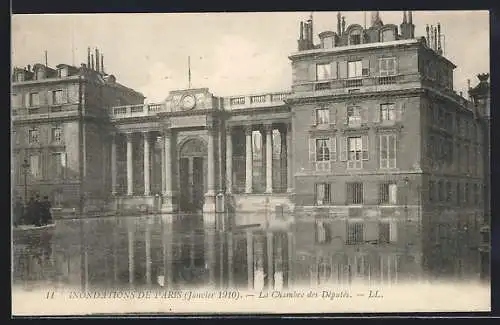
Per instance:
{"type": "Point", "coordinates": [387, 112]}
{"type": "Point", "coordinates": [323, 116]}
{"type": "Point", "coordinates": [355, 231]}
{"type": "Point", "coordinates": [355, 193]}
{"type": "Point", "coordinates": [467, 158]}
{"type": "Point", "coordinates": [387, 232]}
{"type": "Point", "coordinates": [40, 74]}
{"type": "Point", "coordinates": [387, 151]}
{"type": "Point", "coordinates": [448, 192]}
{"type": "Point", "coordinates": [355, 150]}
{"type": "Point", "coordinates": [432, 190]}
{"type": "Point", "coordinates": [466, 193]}
{"type": "Point", "coordinates": [440, 191]}
{"type": "Point", "coordinates": [63, 72]}
{"type": "Point", "coordinates": [354, 69]}
{"type": "Point", "coordinates": [328, 42]}
{"type": "Point", "coordinates": [20, 76]}
{"type": "Point", "coordinates": [388, 193]}
{"type": "Point", "coordinates": [321, 232]}
{"type": "Point", "coordinates": [323, 194]}
{"type": "Point", "coordinates": [35, 166]}
{"type": "Point", "coordinates": [387, 35]}
{"type": "Point", "coordinates": [34, 99]}
{"type": "Point", "coordinates": [56, 134]}
{"type": "Point", "coordinates": [59, 164]}
{"type": "Point", "coordinates": [323, 71]}
{"type": "Point", "coordinates": [459, 194]}
{"type": "Point", "coordinates": [16, 101]}
{"type": "Point", "coordinates": [57, 97]}
{"type": "Point", "coordinates": [355, 39]}
{"type": "Point", "coordinates": [57, 198]}
{"type": "Point", "coordinates": [387, 67]}
{"type": "Point", "coordinates": [476, 194]}
{"type": "Point", "coordinates": [33, 136]}
{"type": "Point", "coordinates": [323, 149]}
{"type": "Point", "coordinates": [354, 115]}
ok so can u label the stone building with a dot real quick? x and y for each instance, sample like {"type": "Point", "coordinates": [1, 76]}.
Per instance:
{"type": "Point", "coordinates": [60, 127]}
{"type": "Point", "coordinates": [366, 170]}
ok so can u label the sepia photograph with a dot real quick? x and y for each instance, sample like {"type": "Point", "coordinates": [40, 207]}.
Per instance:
{"type": "Point", "coordinates": [250, 163]}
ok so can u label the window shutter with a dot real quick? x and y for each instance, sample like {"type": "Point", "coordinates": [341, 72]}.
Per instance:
{"type": "Point", "coordinates": [342, 70]}
{"type": "Point", "coordinates": [49, 98]}
{"type": "Point", "coordinates": [364, 114]}
{"type": "Point", "coordinates": [314, 122]}
{"type": "Point", "coordinates": [365, 67]}
{"type": "Point", "coordinates": [27, 100]}
{"type": "Point", "coordinates": [312, 72]}
{"type": "Point", "coordinates": [343, 149]}
{"type": "Point", "coordinates": [393, 229]}
{"type": "Point", "coordinates": [376, 114]}
{"type": "Point", "coordinates": [398, 111]}
{"type": "Point", "coordinates": [333, 148]}
{"type": "Point", "coordinates": [365, 146]}
{"type": "Point", "coordinates": [333, 115]}
{"type": "Point", "coordinates": [65, 95]}
{"type": "Point", "coordinates": [371, 230]}
{"type": "Point", "coordinates": [312, 152]}
{"type": "Point", "coordinates": [334, 70]}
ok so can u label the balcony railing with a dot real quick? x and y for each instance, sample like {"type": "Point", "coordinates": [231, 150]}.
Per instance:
{"type": "Point", "coordinates": [136, 110]}
{"type": "Point", "coordinates": [369, 83]}
{"type": "Point", "coordinates": [258, 100]}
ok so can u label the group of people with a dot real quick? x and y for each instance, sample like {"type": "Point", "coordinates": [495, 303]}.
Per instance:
{"type": "Point", "coordinates": [36, 212]}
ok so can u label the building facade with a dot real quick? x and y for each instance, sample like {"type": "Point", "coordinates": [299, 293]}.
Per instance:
{"type": "Point", "coordinates": [367, 169]}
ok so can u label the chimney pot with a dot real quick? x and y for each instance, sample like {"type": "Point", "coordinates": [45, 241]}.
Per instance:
{"type": "Point", "coordinates": [28, 67]}
{"type": "Point", "coordinates": [97, 60]}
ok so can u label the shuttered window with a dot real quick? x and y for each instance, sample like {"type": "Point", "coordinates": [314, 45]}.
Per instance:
{"type": "Point", "coordinates": [33, 136]}
{"type": "Point", "coordinates": [355, 69]}
{"type": "Point", "coordinates": [322, 116]}
{"type": "Point", "coordinates": [354, 193]}
{"type": "Point", "coordinates": [387, 67]}
{"type": "Point", "coordinates": [354, 116]}
{"type": "Point", "coordinates": [322, 151]}
{"type": "Point", "coordinates": [387, 151]}
{"type": "Point", "coordinates": [323, 194]}
{"type": "Point", "coordinates": [323, 71]}
{"type": "Point", "coordinates": [322, 232]}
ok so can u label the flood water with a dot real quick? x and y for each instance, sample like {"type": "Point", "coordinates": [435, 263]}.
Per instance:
{"type": "Point", "coordinates": [179, 251]}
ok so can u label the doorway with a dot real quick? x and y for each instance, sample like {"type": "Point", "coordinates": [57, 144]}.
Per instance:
{"type": "Point", "coordinates": [192, 168]}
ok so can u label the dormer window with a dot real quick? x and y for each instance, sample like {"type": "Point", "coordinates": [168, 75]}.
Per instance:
{"type": "Point", "coordinates": [20, 76]}
{"type": "Point", "coordinates": [40, 74]}
{"type": "Point", "coordinates": [355, 37]}
{"type": "Point", "coordinates": [387, 35]}
{"type": "Point", "coordinates": [62, 72]}
{"type": "Point", "coordinates": [328, 42]}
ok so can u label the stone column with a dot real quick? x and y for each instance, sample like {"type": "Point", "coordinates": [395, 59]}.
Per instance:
{"type": "Point", "coordinates": [167, 189]}
{"type": "Point", "coordinates": [113, 164]}
{"type": "Point", "coordinates": [270, 260]}
{"type": "Point", "coordinates": [162, 142]}
{"type": "Point", "coordinates": [147, 184]}
{"type": "Point", "coordinates": [289, 169]}
{"type": "Point", "coordinates": [249, 160]}
{"type": "Point", "coordinates": [130, 163]}
{"type": "Point", "coordinates": [230, 254]}
{"type": "Point", "coordinates": [229, 161]}
{"type": "Point", "coordinates": [209, 205]}
{"type": "Point", "coordinates": [131, 266]}
{"type": "Point", "coordinates": [148, 251]}
{"type": "Point", "coordinates": [269, 157]}
{"type": "Point", "coordinates": [250, 259]}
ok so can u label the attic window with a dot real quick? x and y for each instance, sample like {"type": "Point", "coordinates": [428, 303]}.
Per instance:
{"type": "Point", "coordinates": [20, 76]}
{"type": "Point", "coordinates": [355, 38]}
{"type": "Point", "coordinates": [388, 35]}
{"type": "Point", "coordinates": [328, 42]}
{"type": "Point", "coordinates": [62, 72]}
{"type": "Point", "coordinates": [40, 74]}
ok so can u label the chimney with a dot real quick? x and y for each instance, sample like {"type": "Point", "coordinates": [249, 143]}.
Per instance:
{"type": "Point", "coordinates": [435, 39]}
{"type": "Point", "coordinates": [440, 50]}
{"type": "Point", "coordinates": [102, 63]}
{"type": "Point", "coordinates": [404, 18]}
{"type": "Point", "coordinates": [468, 84]}
{"type": "Point", "coordinates": [92, 61]}
{"type": "Point", "coordinates": [301, 31]}
{"type": "Point", "coordinates": [343, 24]}
{"type": "Point", "coordinates": [432, 37]}
{"type": "Point", "coordinates": [88, 57]}
{"type": "Point", "coordinates": [339, 31]}
{"type": "Point", "coordinates": [410, 18]}
{"type": "Point", "coordinates": [311, 33]}
{"type": "Point", "coordinates": [97, 60]}
{"type": "Point", "coordinates": [427, 31]}
{"type": "Point", "coordinates": [28, 68]}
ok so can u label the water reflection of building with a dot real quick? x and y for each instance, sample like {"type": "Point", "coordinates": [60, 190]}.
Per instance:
{"type": "Point", "coordinates": [366, 170]}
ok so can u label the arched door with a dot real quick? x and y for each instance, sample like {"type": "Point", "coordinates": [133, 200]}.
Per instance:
{"type": "Point", "coordinates": [192, 171]}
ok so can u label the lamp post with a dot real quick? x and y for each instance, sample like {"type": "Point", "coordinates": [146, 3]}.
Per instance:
{"type": "Point", "coordinates": [25, 167]}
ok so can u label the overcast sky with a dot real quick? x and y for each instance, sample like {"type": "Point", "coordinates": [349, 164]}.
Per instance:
{"type": "Point", "coordinates": [231, 53]}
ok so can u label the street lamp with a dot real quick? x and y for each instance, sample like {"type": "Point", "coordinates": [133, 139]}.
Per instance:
{"type": "Point", "coordinates": [25, 167]}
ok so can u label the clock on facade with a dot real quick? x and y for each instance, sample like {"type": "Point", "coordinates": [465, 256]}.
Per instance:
{"type": "Point", "coordinates": [188, 102]}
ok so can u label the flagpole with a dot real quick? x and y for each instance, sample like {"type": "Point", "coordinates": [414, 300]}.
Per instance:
{"type": "Point", "coordinates": [189, 72]}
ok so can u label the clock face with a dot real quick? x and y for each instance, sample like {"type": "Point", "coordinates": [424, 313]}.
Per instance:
{"type": "Point", "coordinates": [188, 102]}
